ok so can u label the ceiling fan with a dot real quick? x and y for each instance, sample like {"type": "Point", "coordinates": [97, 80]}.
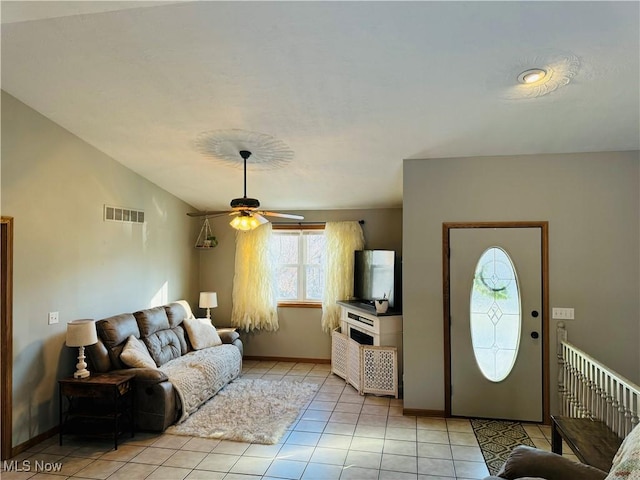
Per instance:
{"type": "Point", "coordinates": [246, 210]}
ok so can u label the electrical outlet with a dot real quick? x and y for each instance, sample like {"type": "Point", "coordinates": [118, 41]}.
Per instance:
{"type": "Point", "coordinates": [53, 318]}
{"type": "Point", "coordinates": [562, 313]}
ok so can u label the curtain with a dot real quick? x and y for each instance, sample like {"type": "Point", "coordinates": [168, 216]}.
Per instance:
{"type": "Point", "coordinates": [255, 305]}
{"type": "Point", "coordinates": [342, 239]}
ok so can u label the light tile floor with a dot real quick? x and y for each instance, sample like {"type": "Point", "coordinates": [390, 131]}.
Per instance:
{"type": "Point", "coordinates": [340, 435]}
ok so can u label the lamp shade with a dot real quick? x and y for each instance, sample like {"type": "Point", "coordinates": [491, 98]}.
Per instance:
{"type": "Point", "coordinates": [208, 300]}
{"type": "Point", "coordinates": [81, 333]}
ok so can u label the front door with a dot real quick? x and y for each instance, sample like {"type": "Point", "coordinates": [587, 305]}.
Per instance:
{"type": "Point", "coordinates": [496, 323]}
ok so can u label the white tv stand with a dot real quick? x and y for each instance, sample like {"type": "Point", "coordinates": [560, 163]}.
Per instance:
{"type": "Point", "coordinates": [367, 349]}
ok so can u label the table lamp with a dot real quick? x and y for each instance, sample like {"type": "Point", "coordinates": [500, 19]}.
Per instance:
{"type": "Point", "coordinates": [208, 300]}
{"type": "Point", "coordinates": [81, 333]}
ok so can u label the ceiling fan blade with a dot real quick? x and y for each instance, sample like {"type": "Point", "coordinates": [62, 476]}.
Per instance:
{"type": "Point", "coordinates": [283, 215]}
{"type": "Point", "coordinates": [206, 214]}
{"type": "Point", "coordinates": [260, 218]}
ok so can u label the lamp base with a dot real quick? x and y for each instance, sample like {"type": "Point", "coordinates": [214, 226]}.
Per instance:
{"type": "Point", "coordinates": [81, 373]}
{"type": "Point", "coordinates": [81, 366]}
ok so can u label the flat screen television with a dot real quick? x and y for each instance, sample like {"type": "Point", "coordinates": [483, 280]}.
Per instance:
{"type": "Point", "coordinates": [377, 275]}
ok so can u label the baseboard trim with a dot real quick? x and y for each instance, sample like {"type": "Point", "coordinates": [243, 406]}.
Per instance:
{"type": "Point", "coordinates": [287, 359]}
{"type": "Point", "coordinates": [416, 412]}
{"type": "Point", "coordinates": [18, 449]}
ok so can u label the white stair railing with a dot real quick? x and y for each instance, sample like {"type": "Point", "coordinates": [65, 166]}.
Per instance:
{"type": "Point", "coordinates": [589, 389]}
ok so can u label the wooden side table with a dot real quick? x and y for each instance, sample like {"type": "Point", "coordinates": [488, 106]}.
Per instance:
{"type": "Point", "coordinates": [591, 440]}
{"type": "Point", "coordinates": [97, 404]}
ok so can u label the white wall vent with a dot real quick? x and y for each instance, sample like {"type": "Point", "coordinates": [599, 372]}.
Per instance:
{"type": "Point", "coordinates": [122, 214]}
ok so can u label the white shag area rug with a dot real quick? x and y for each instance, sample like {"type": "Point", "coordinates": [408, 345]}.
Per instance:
{"type": "Point", "coordinates": [249, 410]}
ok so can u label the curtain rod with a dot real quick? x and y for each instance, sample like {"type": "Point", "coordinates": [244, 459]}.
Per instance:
{"type": "Point", "coordinates": [361, 222]}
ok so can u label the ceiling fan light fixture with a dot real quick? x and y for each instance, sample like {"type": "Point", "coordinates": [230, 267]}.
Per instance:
{"type": "Point", "coordinates": [246, 222]}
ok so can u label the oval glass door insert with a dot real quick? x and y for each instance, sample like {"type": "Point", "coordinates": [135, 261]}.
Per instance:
{"type": "Point", "coordinates": [495, 314]}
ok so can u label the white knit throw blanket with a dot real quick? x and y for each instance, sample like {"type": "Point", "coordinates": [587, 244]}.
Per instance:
{"type": "Point", "coordinates": [199, 375]}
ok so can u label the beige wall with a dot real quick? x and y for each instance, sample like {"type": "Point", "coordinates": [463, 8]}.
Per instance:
{"type": "Point", "coordinates": [591, 202]}
{"type": "Point", "coordinates": [67, 259]}
{"type": "Point", "coordinates": [300, 334]}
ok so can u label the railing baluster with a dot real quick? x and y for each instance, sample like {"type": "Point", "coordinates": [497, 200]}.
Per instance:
{"type": "Point", "coordinates": [635, 407]}
{"type": "Point", "coordinates": [626, 397]}
{"type": "Point", "coordinates": [621, 411]}
{"type": "Point", "coordinates": [567, 380]}
{"type": "Point", "coordinates": [582, 385]}
{"type": "Point", "coordinates": [572, 386]}
{"type": "Point", "coordinates": [575, 396]}
{"type": "Point", "coordinates": [595, 393]}
{"type": "Point", "coordinates": [608, 420]}
{"type": "Point", "coordinates": [561, 336]}
{"type": "Point", "coordinates": [587, 388]}
{"type": "Point", "coordinates": [602, 397]}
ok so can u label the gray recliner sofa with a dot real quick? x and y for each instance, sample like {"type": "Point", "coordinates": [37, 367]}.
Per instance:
{"type": "Point", "coordinates": [527, 463]}
{"type": "Point", "coordinates": [161, 329]}
{"type": "Point", "coordinates": [533, 463]}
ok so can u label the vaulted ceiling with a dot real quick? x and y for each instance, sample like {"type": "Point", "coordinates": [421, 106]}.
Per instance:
{"type": "Point", "coordinates": [352, 88]}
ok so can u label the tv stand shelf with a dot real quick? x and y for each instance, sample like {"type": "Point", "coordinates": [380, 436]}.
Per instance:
{"type": "Point", "coordinates": [367, 349]}
{"type": "Point", "coordinates": [367, 308]}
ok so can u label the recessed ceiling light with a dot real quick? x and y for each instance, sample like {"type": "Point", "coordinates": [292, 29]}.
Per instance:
{"type": "Point", "coordinates": [532, 76]}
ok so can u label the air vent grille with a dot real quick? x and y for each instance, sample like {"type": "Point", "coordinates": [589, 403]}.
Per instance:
{"type": "Point", "coordinates": [123, 215]}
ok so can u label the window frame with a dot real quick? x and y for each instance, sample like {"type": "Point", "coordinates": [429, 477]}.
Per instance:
{"type": "Point", "coordinates": [296, 227]}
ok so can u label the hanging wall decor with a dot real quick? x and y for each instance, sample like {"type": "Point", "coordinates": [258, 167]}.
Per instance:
{"type": "Point", "coordinates": [206, 239]}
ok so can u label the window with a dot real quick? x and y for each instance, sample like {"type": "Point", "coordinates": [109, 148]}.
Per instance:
{"type": "Point", "coordinates": [495, 314]}
{"type": "Point", "coordinates": [299, 257]}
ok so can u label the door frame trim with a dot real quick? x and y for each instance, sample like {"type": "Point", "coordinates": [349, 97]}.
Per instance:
{"type": "Point", "coordinates": [6, 339]}
{"type": "Point", "coordinates": [446, 295]}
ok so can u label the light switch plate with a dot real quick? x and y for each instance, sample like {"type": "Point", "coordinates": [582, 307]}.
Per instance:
{"type": "Point", "coordinates": [561, 313]}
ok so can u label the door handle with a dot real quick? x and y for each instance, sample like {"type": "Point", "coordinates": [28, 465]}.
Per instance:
{"type": "Point", "coordinates": [535, 334]}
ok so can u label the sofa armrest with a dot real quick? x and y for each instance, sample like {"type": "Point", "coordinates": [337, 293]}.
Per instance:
{"type": "Point", "coordinates": [532, 462]}
{"type": "Point", "coordinates": [145, 375]}
{"type": "Point", "coordinates": [228, 335]}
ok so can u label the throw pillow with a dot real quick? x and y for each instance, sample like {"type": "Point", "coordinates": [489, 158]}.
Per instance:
{"type": "Point", "coordinates": [626, 463]}
{"type": "Point", "coordinates": [201, 333]}
{"type": "Point", "coordinates": [135, 354]}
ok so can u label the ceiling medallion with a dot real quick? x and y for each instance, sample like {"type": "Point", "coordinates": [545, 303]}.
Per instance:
{"type": "Point", "coordinates": [267, 152]}
{"type": "Point", "coordinates": [558, 69]}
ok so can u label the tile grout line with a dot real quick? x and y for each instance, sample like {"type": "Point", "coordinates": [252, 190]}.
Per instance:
{"type": "Point", "coordinates": [389, 423]}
